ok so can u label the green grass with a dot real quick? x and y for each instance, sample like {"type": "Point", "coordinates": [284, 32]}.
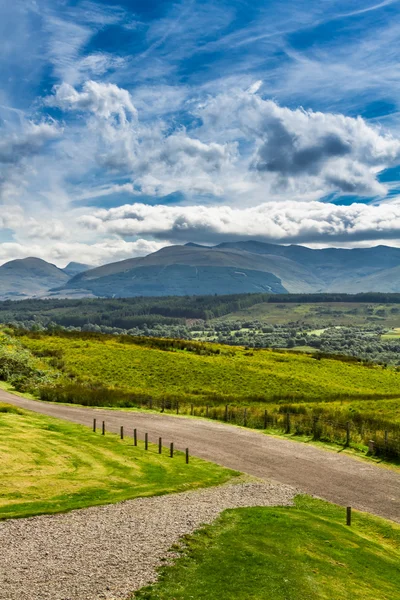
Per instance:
{"type": "Point", "coordinates": [301, 553]}
{"type": "Point", "coordinates": [234, 375]}
{"type": "Point", "coordinates": [48, 466]}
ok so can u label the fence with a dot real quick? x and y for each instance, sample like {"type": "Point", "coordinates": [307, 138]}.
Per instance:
{"type": "Point", "coordinates": [358, 433]}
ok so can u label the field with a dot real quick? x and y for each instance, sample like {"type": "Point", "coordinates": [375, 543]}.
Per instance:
{"type": "Point", "coordinates": [317, 314]}
{"type": "Point", "coordinates": [286, 554]}
{"type": "Point", "coordinates": [49, 466]}
{"type": "Point", "coordinates": [331, 400]}
{"type": "Point", "coordinates": [211, 373]}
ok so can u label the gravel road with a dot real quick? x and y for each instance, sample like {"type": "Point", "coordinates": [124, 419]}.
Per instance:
{"type": "Point", "coordinates": [110, 551]}
{"type": "Point", "coordinates": [330, 475]}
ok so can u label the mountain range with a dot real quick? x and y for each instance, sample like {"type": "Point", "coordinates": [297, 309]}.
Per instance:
{"type": "Point", "coordinates": [228, 268]}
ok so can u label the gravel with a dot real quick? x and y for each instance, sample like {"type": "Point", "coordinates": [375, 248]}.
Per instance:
{"type": "Point", "coordinates": [107, 552]}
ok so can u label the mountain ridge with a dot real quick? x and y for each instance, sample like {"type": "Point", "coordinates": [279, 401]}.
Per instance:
{"type": "Point", "coordinates": [194, 269]}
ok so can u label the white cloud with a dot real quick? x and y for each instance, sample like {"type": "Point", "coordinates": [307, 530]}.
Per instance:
{"type": "Point", "coordinates": [279, 222]}
{"type": "Point", "coordinates": [105, 100]}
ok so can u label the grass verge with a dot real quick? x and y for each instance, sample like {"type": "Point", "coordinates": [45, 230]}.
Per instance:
{"type": "Point", "coordinates": [48, 466]}
{"type": "Point", "coordinates": [305, 552]}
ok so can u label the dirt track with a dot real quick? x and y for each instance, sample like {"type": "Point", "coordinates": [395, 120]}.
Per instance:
{"type": "Point", "coordinates": [333, 476]}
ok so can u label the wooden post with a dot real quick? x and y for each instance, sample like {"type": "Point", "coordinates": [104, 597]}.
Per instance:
{"type": "Point", "coordinates": [122, 432]}
{"type": "Point", "coordinates": [103, 428]}
{"type": "Point", "coordinates": [162, 406]}
{"type": "Point", "coordinates": [135, 437]}
{"type": "Point", "coordinates": [245, 417]}
{"type": "Point", "coordinates": [287, 422]}
{"type": "Point", "coordinates": [146, 441]}
{"type": "Point", "coordinates": [171, 450]}
{"type": "Point", "coordinates": [187, 456]}
{"type": "Point", "coordinates": [191, 409]}
{"type": "Point", "coordinates": [371, 447]}
{"type": "Point", "coordinates": [207, 411]}
{"type": "Point", "coordinates": [94, 425]}
{"type": "Point", "coordinates": [348, 516]}
{"type": "Point", "coordinates": [226, 412]}
{"type": "Point", "coordinates": [265, 419]}
{"type": "Point", "coordinates": [177, 407]}
{"type": "Point", "coordinates": [314, 427]}
{"type": "Point", "coordinates": [348, 433]}
{"type": "Point", "coordinates": [159, 445]}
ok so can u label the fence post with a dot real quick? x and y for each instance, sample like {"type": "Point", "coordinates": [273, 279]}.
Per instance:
{"type": "Point", "coordinates": [122, 432]}
{"type": "Point", "coordinates": [177, 407]}
{"type": "Point", "coordinates": [171, 449]}
{"type": "Point", "coordinates": [159, 445]}
{"type": "Point", "coordinates": [135, 437]}
{"type": "Point", "coordinates": [348, 516]}
{"type": "Point", "coordinates": [226, 413]}
{"type": "Point", "coordinates": [245, 417]}
{"type": "Point", "coordinates": [162, 406]}
{"type": "Point", "coordinates": [287, 422]}
{"type": "Point", "coordinates": [386, 441]}
{"type": "Point", "coordinates": [146, 441]}
{"type": "Point", "coordinates": [315, 421]}
{"type": "Point", "coordinates": [187, 456]}
{"type": "Point", "coordinates": [348, 433]}
{"type": "Point", "coordinates": [94, 425]}
{"type": "Point", "coordinates": [265, 419]}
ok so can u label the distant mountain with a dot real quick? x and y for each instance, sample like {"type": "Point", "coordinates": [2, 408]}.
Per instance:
{"type": "Point", "coordinates": [229, 268]}
{"type": "Point", "coordinates": [247, 266]}
{"type": "Point", "coordinates": [73, 268]}
{"type": "Point", "coordinates": [29, 277]}
{"type": "Point", "coordinates": [180, 270]}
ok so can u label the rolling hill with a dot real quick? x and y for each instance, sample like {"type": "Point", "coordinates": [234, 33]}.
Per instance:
{"type": "Point", "coordinates": [28, 277]}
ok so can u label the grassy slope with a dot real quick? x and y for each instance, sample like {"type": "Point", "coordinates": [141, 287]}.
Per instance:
{"type": "Point", "coordinates": [301, 553]}
{"type": "Point", "coordinates": [235, 373]}
{"type": "Point", "coordinates": [50, 466]}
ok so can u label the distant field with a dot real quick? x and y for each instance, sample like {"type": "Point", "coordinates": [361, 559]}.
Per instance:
{"type": "Point", "coordinates": [286, 553]}
{"type": "Point", "coordinates": [49, 466]}
{"type": "Point", "coordinates": [319, 314]}
{"type": "Point", "coordinates": [210, 372]}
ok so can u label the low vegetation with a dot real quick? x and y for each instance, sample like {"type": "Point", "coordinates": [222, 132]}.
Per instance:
{"type": "Point", "coordinates": [49, 466]}
{"type": "Point", "coordinates": [332, 400]}
{"type": "Point", "coordinates": [287, 554]}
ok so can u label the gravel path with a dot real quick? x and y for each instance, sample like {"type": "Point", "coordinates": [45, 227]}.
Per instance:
{"type": "Point", "coordinates": [110, 551]}
{"type": "Point", "coordinates": [330, 475]}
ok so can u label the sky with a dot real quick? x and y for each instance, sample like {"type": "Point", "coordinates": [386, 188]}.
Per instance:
{"type": "Point", "coordinates": [128, 126]}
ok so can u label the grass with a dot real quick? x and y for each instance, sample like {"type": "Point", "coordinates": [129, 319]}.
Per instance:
{"type": "Point", "coordinates": [49, 466]}
{"type": "Point", "coordinates": [234, 374]}
{"type": "Point", "coordinates": [304, 552]}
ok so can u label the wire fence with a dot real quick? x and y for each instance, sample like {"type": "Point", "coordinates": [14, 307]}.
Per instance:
{"type": "Point", "coordinates": [384, 442]}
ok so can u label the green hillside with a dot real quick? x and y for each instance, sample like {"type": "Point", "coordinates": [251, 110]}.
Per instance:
{"type": "Point", "coordinates": [200, 372]}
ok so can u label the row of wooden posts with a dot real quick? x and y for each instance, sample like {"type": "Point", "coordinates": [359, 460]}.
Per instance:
{"type": "Point", "coordinates": [146, 440]}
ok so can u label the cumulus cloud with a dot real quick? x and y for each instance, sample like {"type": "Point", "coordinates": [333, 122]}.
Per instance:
{"type": "Point", "coordinates": [103, 99]}
{"type": "Point", "coordinates": [279, 222]}
{"type": "Point", "coordinates": [16, 145]}
{"type": "Point", "coordinates": [17, 149]}
{"type": "Point", "coordinates": [330, 150]}
{"type": "Point", "coordinates": [240, 144]}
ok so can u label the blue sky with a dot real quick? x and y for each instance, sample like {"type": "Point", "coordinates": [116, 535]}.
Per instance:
{"type": "Point", "coordinates": [131, 125]}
